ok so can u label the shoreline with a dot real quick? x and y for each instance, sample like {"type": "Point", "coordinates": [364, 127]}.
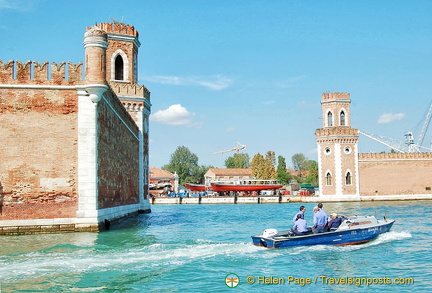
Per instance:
{"type": "Point", "coordinates": [283, 199]}
{"type": "Point", "coordinates": [69, 225]}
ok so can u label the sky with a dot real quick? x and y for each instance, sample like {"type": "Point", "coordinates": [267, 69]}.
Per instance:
{"type": "Point", "coordinates": [223, 72]}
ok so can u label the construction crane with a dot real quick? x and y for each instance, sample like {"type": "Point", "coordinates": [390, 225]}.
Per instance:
{"type": "Point", "coordinates": [395, 144]}
{"type": "Point", "coordinates": [237, 149]}
{"type": "Point", "coordinates": [425, 126]}
{"type": "Point", "coordinates": [409, 146]}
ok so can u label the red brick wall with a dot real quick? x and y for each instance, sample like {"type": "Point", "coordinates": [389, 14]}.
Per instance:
{"type": "Point", "coordinates": [118, 156]}
{"type": "Point", "coordinates": [395, 174]}
{"type": "Point", "coordinates": [38, 151]}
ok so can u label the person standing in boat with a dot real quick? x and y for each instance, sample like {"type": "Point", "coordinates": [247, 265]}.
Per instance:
{"type": "Point", "coordinates": [301, 213]}
{"type": "Point", "coordinates": [320, 206]}
{"type": "Point", "coordinates": [300, 226]}
{"type": "Point", "coordinates": [319, 220]}
{"type": "Point", "coordinates": [335, 222]}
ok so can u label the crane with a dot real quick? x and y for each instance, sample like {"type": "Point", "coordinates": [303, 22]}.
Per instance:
{"type": "Point", "coordinates": [390, 142]}
{"type": "Point", "coordinates": [425, 126]}
{"type": "Point", "coordinates": [237, 149]}
{"type": "Point", "coordinates": [409, 146]}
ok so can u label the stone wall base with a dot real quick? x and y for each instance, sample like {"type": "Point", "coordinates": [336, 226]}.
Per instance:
{"type": "Point", "coordinates": [48, 229]}
{"type": "Point", "coordinates": [53, 226]}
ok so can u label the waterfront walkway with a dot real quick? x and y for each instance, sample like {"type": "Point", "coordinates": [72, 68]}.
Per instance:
{"type": "Point", "coordinates": [282, 199]}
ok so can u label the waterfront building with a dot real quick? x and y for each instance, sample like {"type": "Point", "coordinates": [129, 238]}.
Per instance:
{"type": "Point", "coordinates": [227, 174]}
{"type": "Point", "coordinates": [74, 152]}
{"type": "Point", "coordinates": [162, 182]}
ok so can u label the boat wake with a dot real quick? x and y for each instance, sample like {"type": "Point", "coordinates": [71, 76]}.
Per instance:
{"type": "Point", "coordinates": [392, 236]}
{"type": "Point", "coordinates": [73, 259]}
{"type": "Point", "coordinates": [81, 259]}
{"type": "Point", "coordinates": [383, 238]}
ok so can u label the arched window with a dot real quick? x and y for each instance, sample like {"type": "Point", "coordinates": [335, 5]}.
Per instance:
{"type": "Point", "coordinates": [328, 179]}
{"type": "Point", "coordinates": [348, 178]}
{"type": "Point", "coordinates": [119, 68]}
{"type": "Point", "coordinates": [330, 118]}
{"type": "Point", "coordinates": [342, 118]}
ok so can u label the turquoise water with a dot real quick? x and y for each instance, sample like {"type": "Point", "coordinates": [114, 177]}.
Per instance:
{"type": "Point", "coordinates": [192, 248]}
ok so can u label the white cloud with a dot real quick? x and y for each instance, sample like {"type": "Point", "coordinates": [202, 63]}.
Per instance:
{"type": "Point", "coordinates": [213, 82]}
{"type": "Point", "coordinates": [19, 5]}
{"type": "Point", "coordinates": [230, 129]}
{"type": "Point", "coordinates": [390, 117]}
{"type": "Point", "coordinates": [174, 115]}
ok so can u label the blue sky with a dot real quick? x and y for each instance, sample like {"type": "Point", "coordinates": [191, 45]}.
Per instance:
{"type": "Point", "coordinates": [253, 72]}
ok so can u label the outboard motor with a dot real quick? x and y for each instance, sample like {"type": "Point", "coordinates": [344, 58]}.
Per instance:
{"type": "Point", "coordinates": [269, 233]}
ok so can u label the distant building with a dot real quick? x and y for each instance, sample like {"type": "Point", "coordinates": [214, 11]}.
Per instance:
{"type": "Point", "coordinates": [227, 174]}
{"type": "Point", "coordinates": [74, 151]}
{"type": "Point", "coordinates": [162, 181]}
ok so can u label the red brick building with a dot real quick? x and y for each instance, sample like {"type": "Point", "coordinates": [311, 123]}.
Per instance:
{"type": "Point", "coordinates": [74, 151]}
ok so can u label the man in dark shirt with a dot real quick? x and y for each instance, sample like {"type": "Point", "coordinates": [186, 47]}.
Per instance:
{"type": "Point", "coordinates": [335, 222]}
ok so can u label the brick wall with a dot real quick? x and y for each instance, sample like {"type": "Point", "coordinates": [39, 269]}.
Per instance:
{"type": "Point", "coordinates": [395, 173]}
{"type": "Point", "coordinates": [38, 151]}
{"type": "Point", "coordinates": [118, 155]}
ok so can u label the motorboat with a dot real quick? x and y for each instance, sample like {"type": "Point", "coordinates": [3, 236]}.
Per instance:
{"type": "Point", "coordinates": [352, 230]}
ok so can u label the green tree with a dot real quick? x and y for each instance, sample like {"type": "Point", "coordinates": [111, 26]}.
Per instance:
{"type": "Point", "coordinates": [271, 157]}
{"type": "Point", "coordinates": [199, 175]}
{"type": "Point", "coordinates": [299, 162]}
{"type": "Point", "coordinates": [312, 176]}
{"type": "Point", "coordinates": [281, 174]}
{"type": "Point", "coordinates": [185, 164]}
{"type": "Point", "coordinates": [238, 161]}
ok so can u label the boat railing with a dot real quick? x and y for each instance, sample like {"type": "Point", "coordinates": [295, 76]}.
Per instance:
{"type": "Point", "coordinates": [246, 182]}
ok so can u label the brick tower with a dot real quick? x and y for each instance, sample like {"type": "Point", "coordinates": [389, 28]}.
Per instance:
{"type": "Point", "coordinates": [121, 59]}
{"type": "Point", "coordinates": [337, 146]}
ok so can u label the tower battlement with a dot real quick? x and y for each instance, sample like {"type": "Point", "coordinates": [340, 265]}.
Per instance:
{"type": "Point", "coordinates": [335, 96]}
{"type": "Point", "coordinates": [33, 72]}
{"type": "Point", "coordinates": [394, 156]}
{"type": "Point", "coordinates": [117, 28]}
{"type": "Point", "coordinates": [130, 90]}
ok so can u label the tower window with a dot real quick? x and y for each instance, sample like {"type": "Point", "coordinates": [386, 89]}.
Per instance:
{"type": "Point", "coordinates": [347, 150]}
{"type": "Point", "coordinates": [348, 178]}
{"type": "Point", "coordinates": [330, 119]}
{"type": "Point", "coordinates": [328, 179]}
{"type": "Point", "coordinates": [342, 118]}
{"type": "Point", "coordinates": [119, 68]}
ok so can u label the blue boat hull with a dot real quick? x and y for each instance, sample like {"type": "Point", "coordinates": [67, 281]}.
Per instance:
{"type": "Point", "coordinates": [345, 237]}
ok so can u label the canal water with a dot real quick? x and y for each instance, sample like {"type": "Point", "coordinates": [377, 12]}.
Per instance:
{"type": "Point", "coordinates": [201, 248]}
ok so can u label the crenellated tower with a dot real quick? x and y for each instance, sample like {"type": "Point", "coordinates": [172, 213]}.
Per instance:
{"type": "Point", "coordinates": [121, 59]}
{"type": "Point", "coordinates": [122, 52]}
{"type": "Point", "coordinates": [337, 146]}
{"type": "Point", "coordinates": [121, 74]}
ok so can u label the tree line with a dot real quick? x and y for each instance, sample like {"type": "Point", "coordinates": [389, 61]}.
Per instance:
{"type": "Point", "coordinates": [185, 164]}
